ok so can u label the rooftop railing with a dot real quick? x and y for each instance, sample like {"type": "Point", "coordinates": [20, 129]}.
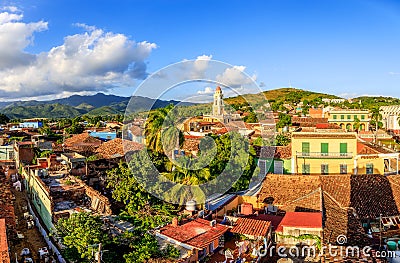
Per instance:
{"type": "Point", "coordinates": [329, 155]}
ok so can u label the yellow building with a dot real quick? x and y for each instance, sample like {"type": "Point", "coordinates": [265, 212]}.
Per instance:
{"type": "Point", "coordinates": [319, 151]}
{"type": "Point", "coordinates": [323, 152]}
{"type": "Point", "coordinates": [349, 119]}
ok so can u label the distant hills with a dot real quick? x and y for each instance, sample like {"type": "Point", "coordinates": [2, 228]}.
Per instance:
{"type": "Point", "coordinates": [102, 104]}
{"type": "Point", "coordinates": [98, 104]}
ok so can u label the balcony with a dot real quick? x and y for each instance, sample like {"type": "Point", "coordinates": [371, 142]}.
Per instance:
{"type": "Point", "coordinates": [321, 155]}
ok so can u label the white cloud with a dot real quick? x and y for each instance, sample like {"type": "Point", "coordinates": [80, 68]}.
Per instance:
{"type": "Point", "coordinates": [87, 62]}
{"type": "Point", "coordinates": [235, 77]}
{"type": "Point", "coordinates": [207, 90]}
{"type": "Point", "coordinates": [12, 9]}
{"type": "Point", "coordinates": [85, 27]}
{"type": "Point", "coordinates": [197, 68]}
{"type": "Point", "coordinates": [394, 73]}
{"type": "Point", "coordinates": [200, 65]}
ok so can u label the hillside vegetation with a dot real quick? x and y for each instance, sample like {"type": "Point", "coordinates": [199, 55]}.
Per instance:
{"type": "Point", "coordinates": [285, 95]}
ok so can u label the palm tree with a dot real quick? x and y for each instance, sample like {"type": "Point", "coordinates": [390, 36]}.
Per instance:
{"type": "Point", "coordinates": [376, 116]}
{"type": "Point", "coordinates": [154, 127]}
{"type": "Point", "coordinates": [188, 172]}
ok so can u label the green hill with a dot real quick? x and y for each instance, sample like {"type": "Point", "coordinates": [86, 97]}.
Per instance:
{"type": "Point", "coordinates": [41, 111]}
{"type": "Point", "coordinates": [285, 95]}
{"type": "Point", "coordinates": [374, 101]}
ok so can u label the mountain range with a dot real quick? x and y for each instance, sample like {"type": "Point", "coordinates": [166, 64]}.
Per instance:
{"type": "Point", "coordinates": [98, 104]}
{"type": "Point", "coordinates": [102, 104]}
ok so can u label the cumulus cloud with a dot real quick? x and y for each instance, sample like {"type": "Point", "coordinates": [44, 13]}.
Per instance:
{"type": "Point", "coordinates": [235, 77]}
{"type": "Point", "coordinates": [93, 60]}
{"type": "Point", "coordinates": [207, 90]}
{"type": "Point", "coordinates": [12, 9]}
{"type": "Point", "coordinates": [197, 68]}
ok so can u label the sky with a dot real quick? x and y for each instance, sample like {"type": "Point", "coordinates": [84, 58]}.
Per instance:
{"type": "Point", "coordinates": [51, 49]}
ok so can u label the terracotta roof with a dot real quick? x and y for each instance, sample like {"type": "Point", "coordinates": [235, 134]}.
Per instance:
{"type": "Point", "coordinates": [292, 192]}
{"type": "Point", "coordinates": [277, 152]}
{"type": "Point", "coordinates": [82, 139]}
{"type": "Point", "coordinates": [301, 220]}
{"type": "Point", "coordinates": [327, 135]}
{"type": "Point", "coordinates": [283, 152]}
{"type": "Point", "coordinates": [118, 148]}
{"type": "Point", "coordinates": [342, 221]}
{"type": "Point", "coordinates": [274, 219]}
{"type": "Point", "coordinates": [191, 145]}
{"type": "Point", "coordinates": [368, 195]}
{"type": "Point", "coordinates": [220, 131]}
{"type": "Point", "coordinates": [4, 255]}
{"type": "Point", "coordinates": [197, 233]}
{"type": "Point", "coordinates": [251, 227]}
{"type": "Point", "coordinates": [368, 148]}
{"type": "Point", "coordinates": [82, 143]}
{"type": "Point", "coordinates": [309, 122]}
{"type": "Point", "coordinates": [6, 202]}
{"type": "Point", "coordinates": [350, 198]}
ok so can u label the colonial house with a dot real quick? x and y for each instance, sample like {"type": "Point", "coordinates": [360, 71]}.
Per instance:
{"type": "Point", "coordinates": [198, 238]}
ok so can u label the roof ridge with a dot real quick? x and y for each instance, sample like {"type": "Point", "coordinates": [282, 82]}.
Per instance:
{"type": "Point", "coordinates": [307, 195]}
{"type": "Point", "coordinates": [334, 200]}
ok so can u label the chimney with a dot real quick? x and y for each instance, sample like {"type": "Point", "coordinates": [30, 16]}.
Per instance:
{"type": "Point", "coordinates": [175, 222]}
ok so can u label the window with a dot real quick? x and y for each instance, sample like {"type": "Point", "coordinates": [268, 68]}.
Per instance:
{"type": "Point", "coordinates": [324, 169]}
{"type": "Point", "coordinates": [263, 167]}
{"type": "Point", "coordinates": [343, 169]}
{"type": "Point", "coordinates": [369, 168]}
{"type": "Point", "coordinates": [348, 117]}
{"type": "Point", "coordinates": [342, 117]}
{"type": "Point", "coordinates": [363, 117]}
{"type": "Point", "coordinates": [334, 117]}
{"type": "Point", "coordinates": [324, 149]}
{"type": "Point", "coordinates": [355, 117]}
{"type": "Point", "coordinates": [343, 149]}
{"type": "Point", "coordinates": [306, 168]}
{"type": "Point", "coordinates": [305, 148]}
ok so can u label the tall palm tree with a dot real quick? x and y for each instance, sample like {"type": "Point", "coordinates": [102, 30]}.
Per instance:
{"type": "Point", "coordinates": [154, 127]}
{"type": "Point", "coordinates": [188, 172]}
{"type": "Point", "coordinates": [377, 117]}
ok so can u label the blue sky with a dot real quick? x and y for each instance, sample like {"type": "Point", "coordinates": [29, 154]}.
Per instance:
{"type": "Point", "coordinates": [343, 47]}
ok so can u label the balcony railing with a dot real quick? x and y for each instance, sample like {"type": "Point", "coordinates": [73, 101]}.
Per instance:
{"type": "Point", "coordinates": [321, 155]}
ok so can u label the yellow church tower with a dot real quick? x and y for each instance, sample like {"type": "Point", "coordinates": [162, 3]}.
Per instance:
{"type": "Point", "coordinates": [218, 105]}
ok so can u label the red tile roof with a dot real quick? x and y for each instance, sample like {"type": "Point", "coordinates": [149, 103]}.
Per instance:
{"type": "Point", "coordinates": [191, 145]}
{"type": "Point", "coordinates": [82, 143]}
{"type": "Point", "coordinates": [274, 219]}
{"type": "Point", "coordinates": [117, 148]}
{"type": "Point", "coordinates": [251, 227]}
{"type": "Point", "coordinates": [197, 233]}
{"type": "Point", "coordinates": [292, 192]}
{"type": "Point", "coordinates": [301, 220]}
{"type": "Point", "coordinates": [4, 256]}
{"type": "Point", "coordinates": [368, 148]}
{"type": "Point", "coordinates": [82, 139]}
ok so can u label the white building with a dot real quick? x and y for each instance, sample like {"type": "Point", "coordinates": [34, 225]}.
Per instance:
{"type": "Point", "coordinates": [390, 117]}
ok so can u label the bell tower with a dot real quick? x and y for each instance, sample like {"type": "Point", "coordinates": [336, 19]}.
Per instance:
{"type": "Point", "coordinates": [218, 105]}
